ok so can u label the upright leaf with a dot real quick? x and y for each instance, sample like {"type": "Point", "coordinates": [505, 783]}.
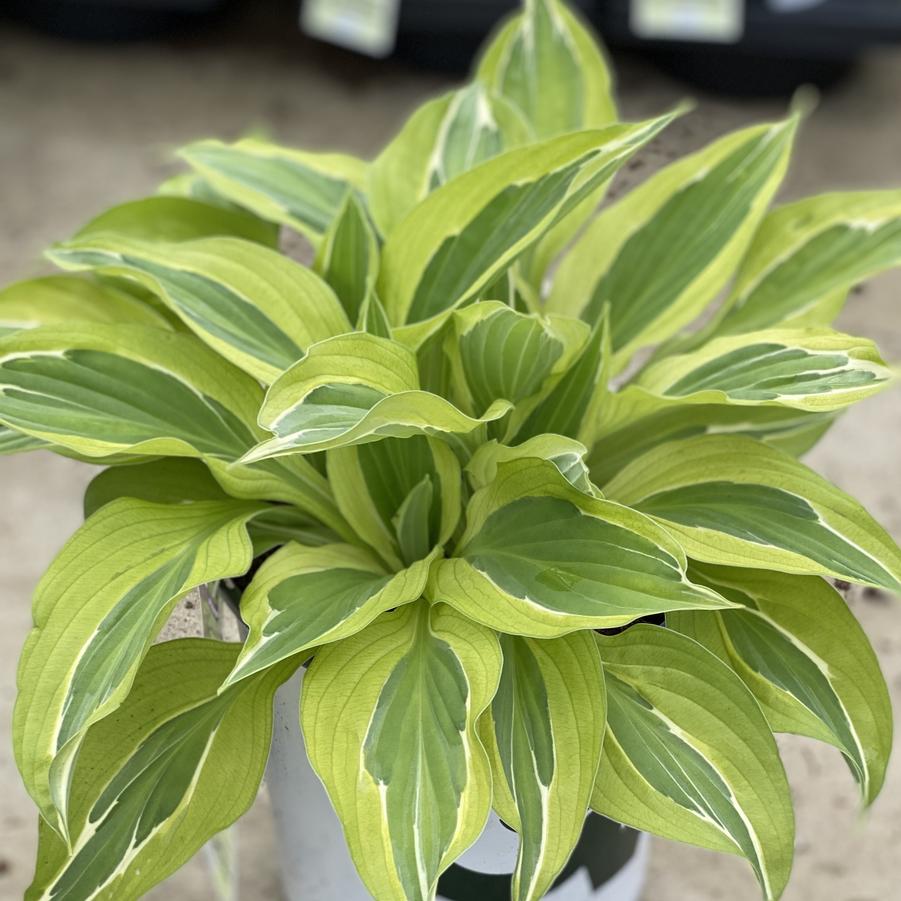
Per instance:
{"type": "Point", "coordinates": [465, 234]}
{"type": "Point", "coordinates": [660, 256]}
{"type": "Point", "coordinates": [442, 139]}
{"type": "Point", "coordinates": [389, 719]}
{"type": "Point", "coordinates": [348, 258]}
{"type": "Point", "coordinates": [802, 653]}
{"type": "Point", "coordinates": [306, 597]}
{"type": "Point", "coordinates": [549, 65]}
{"type": "Point", "coordinates": [373, 481]}
{"type": "Point", "coordinates": [688, 755]}
{"type": "Point", "coordinates": [540, 558]}
{"type": "Point", "coordinates": [155, 780]}
{"type": "Point", "coordinates": [544, 736]}
{"type": "Point", "coordinates": [252, 305]}
{"type": "Point", "coordinates": [500, 353]}
{"type": "Point", "coordinates": [736, 501]}
{"type": "Point", "coordinates": [301, 190]}
{"type": "Point", "coordinates": [96, 611]}
{"type": "Point", "coordinates": [570, 407]}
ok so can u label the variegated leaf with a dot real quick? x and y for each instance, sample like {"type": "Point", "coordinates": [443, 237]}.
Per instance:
{"type": "Point", "coordinates": [806, 659]}
{"type": "Point", "coordinates": [255, 307]}
{"type": "Point", "coordinates": [305, 597]}
{"type": "Point", "coordinates": [65, 299]}
{"type": "Point", "coordinates": [373, 482]}
{"type": "Point", "coordinates": [544, 736]}
{"type": "Point", "coordinates": [103, 390]}
{"type": "Point", "coordinates": [465, 234]}
{"type": "Point", "coordinates": [172, 480]}
{"type": "Point", "coordinates": [806, 369]}
{"type": "Point", "coordinates": [301, 190]}
{"type": "Point", "coordinates": [735, 501]}
{"type": "Point", "coordinates": [180, 480]}
{"type": "Point", "coordinates": [570, 405]}
{"type": "Point", "coordinates": [809, 251]}
{"type": "Point", "coordinates": [352, 389]}
{"type": "Point", "coordinates": [688, 754]}
{"type": "Point", "coordinates": [442, 139]}
{"type": "Point", "coordinates": [633, 421]}
{"type": "Point", "coordinates": [13, 442]}
{"type": "Point", "coordinates": [96, 611]}
{"type": "Point", "coordinates": [159, 777]}
{"type": "Point", "coordinates": [502, 354]}
{"type": "Point", "coordinates": [172, 219]}
{"type": "Point", "coordinates": [549, 65]}
{"type": "Point", "coordinates": [660, 256]}
{"type": "Point", "coordinates": [540, 558]}
{"type": "Point", "coordinates": [389, 719]}
{"type": "Point", "coordinates": [566, 454]}
{"type": "Point", "coordinates": [373, 319]}
{"type": "Point", "coordinates": [348, 257]}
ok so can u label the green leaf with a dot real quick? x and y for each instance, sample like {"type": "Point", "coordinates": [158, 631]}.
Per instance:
{"type": "Point", "coordinates": [96, 611]}
{"type": "Point", "coordinates": [566, 454]}
{"type": "Point", "coordinates": [155, 780]}
{"type": "Point", "coordinates": [173, 480]}
{"type": "Point", "coordinates": [373, 481]}
{"type": "Point", "coordinates": [172, 219]}
{"type": "Point", "coordinates": [544, 737]}
{"type": "Point", "coordinates": [465, 234]}
{"type": "Point", "coordinates": [738, 502]}
{"type": "Point", "coordinates": [64, 299]}
{"type": "Point", "coordinates": [13, 442]}
{"type": "Point", "coordinates": [571, 405]}
{"type": "Point", "coordinates": [502, 354]}
{"type": "Point", "coordinates": [549, 65]}
{"type": "Point", "coordinates": [660, 256]}
{"type": "Point", "coordinates": [633, 421]}
{"type": "Point", "coordinates": [301, 190]}
{"type": "Point", "coordinates": [811, 250]}
{"type": "Point", "coordinates": [802, 653]}
{"type": "Point", "coordinates": [103, 390]}
{"type": "Point", "coordinates": [442, 139]}
{"type": "Point", "coordinates": [389, 719]}
{"type": "Point", "coordinates": [252, 305]}
{"type": "Point", "coordinates": [688, 755]}
{"type": "Point", "coordinates": [540, 558]}
{"type": "Point", "coordinates": [306, 597]}
{"type": "Point", "coordinates": [806, 369]}
{"type": "Point", "coordinates": [348, 258]}
{"type": "Point", "coordinates": [110, 389]}
{"type": "Point", "coordinates": [373, 319]}
{"type": "Point", "coordinates": [352, 389]}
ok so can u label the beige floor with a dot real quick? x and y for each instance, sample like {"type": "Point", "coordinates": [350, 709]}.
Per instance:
{"type": "Point", "coordinates": [84, 127]}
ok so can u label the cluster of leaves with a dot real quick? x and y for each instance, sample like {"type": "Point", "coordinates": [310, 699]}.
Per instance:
{"type": "Point", "coordinates": [452, 512]}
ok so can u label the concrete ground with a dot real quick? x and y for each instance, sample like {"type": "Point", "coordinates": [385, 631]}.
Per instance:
{"type": "Point", "coordinates": [83, 127]}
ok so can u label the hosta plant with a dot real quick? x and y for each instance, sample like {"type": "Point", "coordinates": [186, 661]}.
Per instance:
{"type": "Point", "coordinates": [541, 539]}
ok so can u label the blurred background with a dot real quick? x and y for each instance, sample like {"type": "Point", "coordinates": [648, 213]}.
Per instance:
{"type": "Point", "coordinates": [96, 94]}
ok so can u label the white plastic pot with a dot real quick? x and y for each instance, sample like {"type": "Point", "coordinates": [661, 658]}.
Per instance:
{"type": "Point", "coordinates": [316, 864]}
